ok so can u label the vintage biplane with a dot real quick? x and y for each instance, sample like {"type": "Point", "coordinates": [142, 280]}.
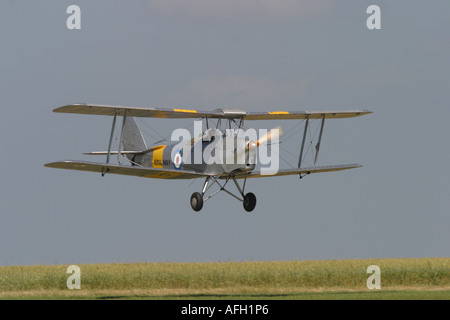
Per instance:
{"type": "Point", "coordinates": [166, 161]}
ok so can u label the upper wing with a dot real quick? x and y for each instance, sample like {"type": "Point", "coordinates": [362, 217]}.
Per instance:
{"type": "Point", "coordinates": [125, 170]}
{"type": "Point", "coordinates": [286, 172]}
{"type": "Point", "coordinates": [286, 115]}
{"type": "Point", "coordinates": [218, 113]}
{"type": "Point", "coordinates": [134, 112]}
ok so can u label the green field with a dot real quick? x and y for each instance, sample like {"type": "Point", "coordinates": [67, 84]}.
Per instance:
{"type": "Point", "coordinates": [424, 278]}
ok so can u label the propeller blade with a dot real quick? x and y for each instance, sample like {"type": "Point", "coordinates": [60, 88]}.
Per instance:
{"type": "Point", "coordinates": [253, 145]}
{"type": "Point", "coordinates": [272, 134]}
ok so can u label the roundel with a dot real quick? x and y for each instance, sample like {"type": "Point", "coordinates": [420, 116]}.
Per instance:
{"type": "Point", "coordinates": [177, 160]}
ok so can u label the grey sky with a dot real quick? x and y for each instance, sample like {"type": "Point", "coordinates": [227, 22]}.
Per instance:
{"type": "Point", "coordinates": [253, 55]}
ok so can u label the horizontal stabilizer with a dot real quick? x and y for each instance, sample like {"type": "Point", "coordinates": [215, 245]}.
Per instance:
{"type": "Point", "coordinates": [103, 153]}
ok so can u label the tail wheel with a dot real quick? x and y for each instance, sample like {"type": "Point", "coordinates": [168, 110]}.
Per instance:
{"type": "Point", "coordinates": [197, 201]}
{"type": "Point", "coordinates": [249, 202]}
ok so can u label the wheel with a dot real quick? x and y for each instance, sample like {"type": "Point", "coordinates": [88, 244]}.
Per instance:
{"type": "Point", "coordinates": [249, 202]}
{"type": "Point", "coordinates": [197, 201]}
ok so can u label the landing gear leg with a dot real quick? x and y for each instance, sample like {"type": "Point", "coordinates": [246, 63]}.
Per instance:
{"type": "Point", "coordinates": [197, 198]}
{"type": "Point", "coordinates": [249, 199]}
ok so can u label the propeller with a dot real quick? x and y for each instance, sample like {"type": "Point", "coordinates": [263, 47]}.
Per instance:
{"type": "Point", "coordinates": [252, 146]}
{"type": "Point", "coordinates": [275, 133]}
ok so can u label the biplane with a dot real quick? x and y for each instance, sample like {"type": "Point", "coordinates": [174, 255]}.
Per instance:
{"type": "Point", "coordinates": [167, 161]}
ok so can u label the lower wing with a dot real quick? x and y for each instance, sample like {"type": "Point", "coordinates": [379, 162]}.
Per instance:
{"type": "Point", "coordinates": [125, 170]}
{"type": "Point", "coordinates": [286, 172]}
{"type": "Point", "coordinates": [184, 174]}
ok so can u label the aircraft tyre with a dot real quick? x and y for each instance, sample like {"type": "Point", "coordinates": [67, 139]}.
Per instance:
{"type": "Point", "coordinates": [249, 202]}
{"type": "Point", "coordinates": [197, 201]}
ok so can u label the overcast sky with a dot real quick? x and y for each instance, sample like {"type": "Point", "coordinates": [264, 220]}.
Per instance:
{"type": "Point", "coordinates": [252, 55]}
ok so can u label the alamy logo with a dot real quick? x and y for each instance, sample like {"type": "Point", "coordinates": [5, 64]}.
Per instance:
{"type": "Point", "coordinates": [374, 280]}
{"type": "Point", "coordinates": [74, 280]}
{"type": "Point", "coordinates": [374, 21]}
{"type": "Point", "coordinates": [74, 20]}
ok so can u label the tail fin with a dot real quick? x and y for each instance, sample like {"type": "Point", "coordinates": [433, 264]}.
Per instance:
{"type": "Point", "coordinates": [132, 136]}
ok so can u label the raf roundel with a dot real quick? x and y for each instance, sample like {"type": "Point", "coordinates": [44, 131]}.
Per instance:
{"type": "Point", "coordinates": [177, 160]}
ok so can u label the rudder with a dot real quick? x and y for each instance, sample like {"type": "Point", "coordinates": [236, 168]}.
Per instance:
{"type": "Point", "coordinates": [132, 136]}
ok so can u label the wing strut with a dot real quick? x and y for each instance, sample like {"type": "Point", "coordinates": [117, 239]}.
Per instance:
{"type": "Point", "coordinates": [121, 136]}
{"type": "Point", "coordinates": [305, 131]}
{"type": "Point", "coordinates": [303, 143]}
{"type": "Point", "coordinates": [111, 137]}
{"type": "Point", "coordinates": [320, 139]}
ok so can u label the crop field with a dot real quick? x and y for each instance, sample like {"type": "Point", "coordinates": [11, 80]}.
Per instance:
{"type": "Point", "coordinates": [424, 278]}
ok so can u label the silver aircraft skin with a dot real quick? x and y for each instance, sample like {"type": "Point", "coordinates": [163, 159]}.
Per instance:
{"type": "Point", "coordinates": [168, 161]}
{"type": "Point", "coordinates": [149, 159]}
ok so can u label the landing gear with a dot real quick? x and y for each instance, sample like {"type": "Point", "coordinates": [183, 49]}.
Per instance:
{"type": "Point", "coordinates": [249, 202]}
{"type": "Point", "coordinates": [197, 201]}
